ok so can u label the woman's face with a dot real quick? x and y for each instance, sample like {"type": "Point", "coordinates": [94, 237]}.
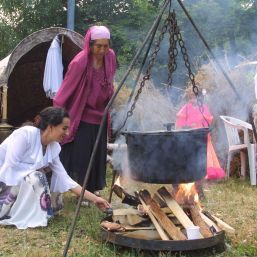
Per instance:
{"type": "Point", "coordinates": [100, 47]}
{"type": "Point", "coordinates": [60, 131]}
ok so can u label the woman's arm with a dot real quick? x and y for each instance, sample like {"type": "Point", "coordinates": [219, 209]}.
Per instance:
{"type": "Point", "coordinates": [101, 203]}
{"type": "Point", "coordinates": [62, 182]}
{"type": "Point", "coordinates": [17, 148]}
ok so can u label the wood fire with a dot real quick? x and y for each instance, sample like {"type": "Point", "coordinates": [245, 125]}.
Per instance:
{"type": "Point", "coordinates": [163, 215]}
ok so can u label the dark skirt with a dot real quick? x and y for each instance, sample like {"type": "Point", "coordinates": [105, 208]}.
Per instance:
{"type": "Point", "coordinates": [75, 156]}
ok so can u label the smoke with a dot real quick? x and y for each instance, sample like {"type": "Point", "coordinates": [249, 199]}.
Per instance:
{"type": "Point", "coordinates": [230, 47]}
{"type": "Point", "coordinates": [152, 112]}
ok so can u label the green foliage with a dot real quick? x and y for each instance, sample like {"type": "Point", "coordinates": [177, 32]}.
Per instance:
{"type": "Point", "coordinates": [18, 19]}
{"type": "Point", "coordinates": [128, 21]}
{"type": "Point", "coordinates": [226, 25]}
{"type": "Point", "coordinates": [125, 18]}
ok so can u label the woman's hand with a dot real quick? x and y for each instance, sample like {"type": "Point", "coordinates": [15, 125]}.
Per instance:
{"type": "Point", "coordinates": [101, 203]}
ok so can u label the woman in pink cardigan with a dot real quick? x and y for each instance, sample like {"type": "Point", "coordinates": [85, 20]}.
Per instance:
{"type": "Point", "coordinates": [85, 92]}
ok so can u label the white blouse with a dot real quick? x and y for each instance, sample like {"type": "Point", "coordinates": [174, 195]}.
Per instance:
{"type": "Point", "coordinates": [22, 153]}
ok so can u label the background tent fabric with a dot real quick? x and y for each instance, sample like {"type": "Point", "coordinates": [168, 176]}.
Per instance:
{"type": "Point", "coordinates": [23, 71]}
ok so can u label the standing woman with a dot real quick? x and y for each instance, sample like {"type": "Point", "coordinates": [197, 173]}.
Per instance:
{"type": "Point", "coordinates": [85, 92]}
{"type": "Point", "coordinates": [25, 156]}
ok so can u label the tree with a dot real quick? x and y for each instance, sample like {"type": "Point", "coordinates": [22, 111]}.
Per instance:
{"type": "Point", "coordinates": [21, 18]}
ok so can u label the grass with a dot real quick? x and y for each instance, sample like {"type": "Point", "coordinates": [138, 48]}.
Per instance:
{"type": "Point", "coordinates": [234, 201]}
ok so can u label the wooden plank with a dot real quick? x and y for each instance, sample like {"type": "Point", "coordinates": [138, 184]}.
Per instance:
{"type": "Point", "coordinates": [164, 221]}
{"type": "Point", "coordinates": [210, 223]}
{"type": "Point", "coordinates": [198, 221]}
{"type": "Point", "coordinates": [134, 219]}
{"type": "Point", "coordinates": [121, 219]}
{"type": "Point", "coordinates": [128, 228]}
{"type": "Point", "coordinates": [127, 211]}
{"type": "Point", "coordinates": [175, 208]}
{"type": "Point", "coordinates": [154, 221]}
{"type": "Point", "coordinates": [113, 226]}
{"type": "Point", "coordinates": [142, 234]}
{"type": "Point", "coordinates": [159, 200]}
{"type": "Point", "coordinates": [221, 224]}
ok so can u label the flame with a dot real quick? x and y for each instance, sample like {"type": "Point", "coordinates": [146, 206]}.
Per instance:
{"type": "Point", "coordinates": [187, 194]}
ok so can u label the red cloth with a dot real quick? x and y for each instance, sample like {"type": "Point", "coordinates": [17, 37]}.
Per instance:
{"type": "Point", "coordinates": [190, 116]}
{"type": "Point", "coordinates": [75, 88]}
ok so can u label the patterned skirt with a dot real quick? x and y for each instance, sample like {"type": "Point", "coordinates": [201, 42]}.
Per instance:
{"type": "Point", "coordinates": [29, 204]}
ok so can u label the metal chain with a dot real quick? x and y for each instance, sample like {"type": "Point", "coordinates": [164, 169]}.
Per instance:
{"type": "Point", "coordinates": [175, 37]}
{"type": "Point", "coordinates": [198, 94]}
{"type": "Point", "coordinates": [173, 51]}
{"type": "Point", "coordinates": [148, 71]}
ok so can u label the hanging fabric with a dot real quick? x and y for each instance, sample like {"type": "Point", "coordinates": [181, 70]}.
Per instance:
{"type": "Point", "coordinates": [53, 74]}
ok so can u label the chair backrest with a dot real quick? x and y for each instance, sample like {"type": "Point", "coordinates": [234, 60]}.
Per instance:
{"type": "Point", "coordinates": [232, 127]}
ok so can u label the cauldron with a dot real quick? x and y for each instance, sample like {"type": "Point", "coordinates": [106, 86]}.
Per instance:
{"type": "Point", "coordinates": [163, 157]}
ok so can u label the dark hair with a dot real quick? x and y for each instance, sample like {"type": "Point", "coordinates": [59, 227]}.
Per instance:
{"type": "Point", "coordinates": [50, 116]}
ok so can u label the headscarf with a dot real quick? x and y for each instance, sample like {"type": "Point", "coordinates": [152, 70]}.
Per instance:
{"type": "Point", "coordinates": [75, 88]}
{"type": "Point", "coordinates": [99, 32]}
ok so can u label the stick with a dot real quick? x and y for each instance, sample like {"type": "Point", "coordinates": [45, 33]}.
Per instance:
{"type": "Point", "coordinates": [162, 218]}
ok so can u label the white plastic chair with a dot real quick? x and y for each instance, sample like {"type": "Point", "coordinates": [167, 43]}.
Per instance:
{"type": "Point", "coordinates": [252, 163]}
{"type": "Point", "coordinates": [232, 127]}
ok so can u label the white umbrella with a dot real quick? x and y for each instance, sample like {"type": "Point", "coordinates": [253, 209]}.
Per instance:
{"type": "Point", "coordinates": [53, 74]}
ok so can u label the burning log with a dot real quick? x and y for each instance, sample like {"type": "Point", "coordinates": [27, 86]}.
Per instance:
{"type": "Point", "coordinates": [198, 221]}
{"type": "Point", "coordinates": [165, 222]}
{"type": "Point", "coordinates": [175, 208]}
{"type": "Point", "coordinates": [126, 197]}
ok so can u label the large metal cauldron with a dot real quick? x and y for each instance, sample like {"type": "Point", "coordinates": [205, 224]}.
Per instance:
{"type": "Point", "coordinates": [177, 156]}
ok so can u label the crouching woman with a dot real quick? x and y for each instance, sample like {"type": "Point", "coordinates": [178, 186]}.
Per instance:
{"type": "Point", "coordinates": [25, 199]}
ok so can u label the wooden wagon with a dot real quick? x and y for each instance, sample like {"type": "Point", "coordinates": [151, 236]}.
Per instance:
{"type": "Point", "coordinates": [22, 72]}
